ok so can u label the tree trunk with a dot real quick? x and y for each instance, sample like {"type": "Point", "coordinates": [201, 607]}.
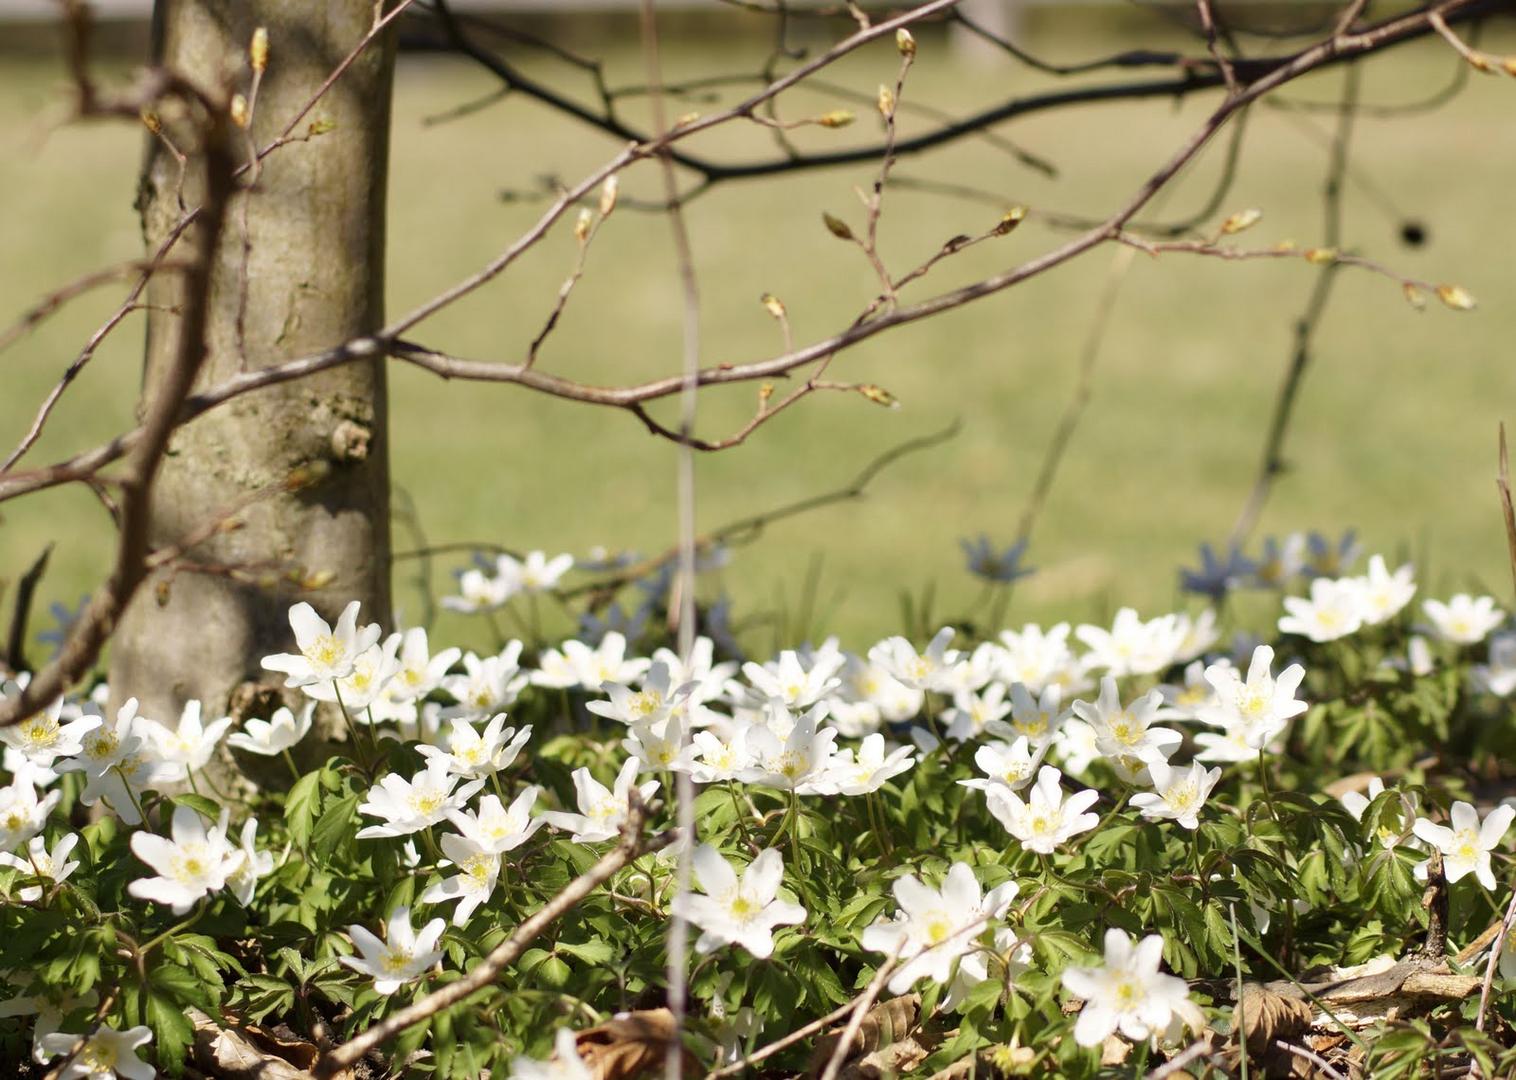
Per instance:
{"type": "Point", "coordinates": [300, 268]}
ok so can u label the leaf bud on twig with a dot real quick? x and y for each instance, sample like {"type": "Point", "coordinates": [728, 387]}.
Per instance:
{"type": "Point", "coordinates": [239, 111]}
{"type": "Point", "coordinates": [1243, 219]}
{"type": "Point", "coordinates": [836, 226]}
{"type": "Point", "coordinates": [836, 118]}
{"type": "Point", "coordinates": [257, 52]}
{"type": "Point", "coordinates": [774, 305]}
{"type": "Point", "coordinates": [878, 395]}
{"type": "Point", "coordinates": [1013, 217]}
{"type": "Point", "coordinates": [905, 42]}
{"type": "Point", "coordinates": [608, 192]}
{"type": "Point", "coordinates": [1455, 297]}
{"type": "Point", "coordinates": [886, 100]}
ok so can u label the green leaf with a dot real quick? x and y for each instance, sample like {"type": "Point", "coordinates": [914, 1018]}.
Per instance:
{"type": "Point", "coordinates": [334, 828]}
{"type": "Point", "coordinates": [172, 1032]}
{"type": "Point", "coordinates": [300, 807]}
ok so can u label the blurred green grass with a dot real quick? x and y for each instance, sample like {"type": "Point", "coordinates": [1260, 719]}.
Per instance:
{"type": "Point", "coordinates": [1395, 433]}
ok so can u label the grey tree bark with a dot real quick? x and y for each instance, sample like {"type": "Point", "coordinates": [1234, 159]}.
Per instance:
{"type": "Point", "coordinates": [300, 268]}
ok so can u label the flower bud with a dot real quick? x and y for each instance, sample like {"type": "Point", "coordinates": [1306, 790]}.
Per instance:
{"type": "Point", "coordinates": [257, 52]}
{"type": "Point", "coordinates": [1455, 297]}
{"type": "Point", "coordinates": [1012, 218]}
{"type": "Point", "coordinates": [837, 226]}
{"type": "Point", "coordinates": [1243, 219]}
{"type": "Point", "coordinates": [905, 42]}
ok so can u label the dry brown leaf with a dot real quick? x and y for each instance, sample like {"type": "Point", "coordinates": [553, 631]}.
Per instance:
{"type": "Point", "coordinates": [886, 1023]}
{"type": "Point", "coordinates": [230, 1054]}
{"type": "Point", "coordinates": [629, 1045]}
{"type": "Point", "coordinates": [1266, 1017]}
{"type": "Point", "coordinates": [894, 1059]}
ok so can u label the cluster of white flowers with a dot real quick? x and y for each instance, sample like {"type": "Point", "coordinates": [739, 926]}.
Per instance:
{"type": "Point", "coordinates": [814, 722]}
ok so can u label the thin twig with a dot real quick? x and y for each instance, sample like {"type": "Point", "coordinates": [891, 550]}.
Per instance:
{"type": "Point", "coordinates": [26, 588]}
{"type": "Point", "coordinates": [631, 845]}
{"type": "Point", "coordinates": [1311, 1056]}
{"type": "Point", "coordinates": [865, 1001]}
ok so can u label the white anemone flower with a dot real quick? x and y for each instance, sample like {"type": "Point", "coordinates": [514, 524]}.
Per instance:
{"type": "Point", "coordinates": [489, 684]}
{"type": "Point", "coordinates": [713, 759]}
{"type": "Point", "coordinates": [372, 671]}
{"type": "Point", "coordinates": [1260, 706]}
{"type": "Point", "coordinates": [478, 591]}
{"type": "Point", "coordinates": [405, 956]}
{"type": "Point", "coordinates": [43, 738]}
{"type": "Point", "coordinates": [1381, 594]}
{"type": "Point", "coordinates": [1010, 765]}
{"type": "Point", "coordinates": [1046, 819]}
{"type": "Point", "coordinates": [196, 862]}
{"type": "Point", "coordinates": [410, 806]}
{"type": "Point", "coordinates": [50, 1011]}
{"type": "Point", "coordinates": [791, 680]}
{"type": "Point", "coordinates": [1075, 747]}
{"type": "Point", "coordinates": [1333, 611]}
{"type": "Point", "coordinates": [1037, 719]}
{"type": "Point", "coordinates": [1133, 646]}
{"type": "Point", "coordinates": [496, 827]}
{"type": "Point", "coordinates": [1178, 795]}
{"type": "Point", "coordinates": [935, 927]}
{"type": "Point", "coordinates": [1464, 619]}
{"type": "Point", "coordinates": [326, 652]}
{"type": "Point", "coordinates": [652, 704]}
{"type": "Point", "coordinates": [736, 911]}
{"type": "Point", "coordinates": [534, 574]}
{"type": "Point", "coordinates": [478, 755]}
{"type": "Point", "coordinates": [929, 670]}
{"type": "Point", "coordinates": [105, 1055]}
{"type": "Point", "coordinates": [478, 872]}
{"type": "Point", "coordinates": [660, 746]}
{"type": "Point", "coordinates": [1127, 993]}
{"type": "Point", "coordinates": [188, 747]}
{"type": "Point", "coordinates": [1186, 700]}
{"type": "Point", "coordinates": [565, 1065]}
{"type": "Point", "coordinates": [869, 697]}
{"type": "Point", "coordinates": [1467, 845]}
{"type": "Point", "coordinates": [974, 711]}
{"type": "Point", "coordinates": [590, 668]}
{"type": "Point", "coordinates": [22, 814]}
{"type": "Point", "coordinates": [601, 810]}
{"type": "Point", "coordinates": [420, 671]}
{"type": "Point", "coordinates": [1124, 734]}
{"type": "Point", "coordinates": [53, 866]}
{"type": "Point", "coordinates": [255, 864]}
{"type": "Point", "coordinates": [1038, 659]}
{"type": "Point", "coordinates": [798, 763]}
{"type": "Point", "coordinates": [275, 735]}
{"type": "Point", "coordinates": [867, 769]}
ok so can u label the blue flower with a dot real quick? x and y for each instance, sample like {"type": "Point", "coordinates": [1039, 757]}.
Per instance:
{"type": "Point", "coordinates": [985, 562]}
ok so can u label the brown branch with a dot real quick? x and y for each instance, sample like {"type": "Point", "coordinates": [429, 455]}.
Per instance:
{"type": "Point", "coordinates": [26, 588]}
{"type": "Point", "coordinates": [631, 845]}
{"type": "Point", "coordinates": [1213, 45]}
{"type": "Point", "coordinates": [1382, 35]}
{"type": "Point", "coordinates": [1503, 483]}
{"type": "Point", "coordinates": [38, 312]}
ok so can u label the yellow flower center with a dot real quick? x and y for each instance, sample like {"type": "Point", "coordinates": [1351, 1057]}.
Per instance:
{"type": "Point", "coordinates": [938, 928]}
{"type": "Point", "coordinates": [325, 650]}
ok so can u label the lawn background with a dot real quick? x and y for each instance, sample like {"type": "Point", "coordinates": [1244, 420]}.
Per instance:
{"type": "Point", "coordinates": [1395, 433]}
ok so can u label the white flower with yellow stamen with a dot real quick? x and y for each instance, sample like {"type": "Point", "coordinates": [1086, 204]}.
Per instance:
{"type": "Point", "coordinates": [799, 763]}
{"type": "Point", "coordinates": [737, 911]}
{"type": "Point", "coordinates": [1046, 819]}
{"type": "Point", "coordinates": [196, 862]}
{"type": "Point", "coordinates": [478, 872]}
{"type": "Point", "coordinates": [1466, 846]}
{"type": "Point", "coordinates": [475, 755]}
{"type": "Point", "coordinates": [44, 738]}
{"type": "Point", "coordinates": [490, 684]}
{"type": "Point", "coordinates": [1332, 612]}
{"type": "Point", "coordinates": [187, 747]}
{"type": "Point", "coordinates": [326, 652]}
{"type": "Point", "coordinates": [22, 814]}
{"type": "Point", "coordinates": [410, 806]}
{"type": "Point", "coordinates": [1179, 793]}
{"type": "Point", "coordinates": [274, 735]}
{"type": "Point", "coordinates": [499, 828]}
{"type": "Point", "coordinates": [40, 863]}
{"type": "Point", "coordinates": [1124, 733]}
{"type": "Point", "coordinates": [934, 927]}
{"type": "Point", "coordinates": [929, 670]}
{"type": "Point", "coordinates": [1464, 619]}
{"type": "Point", "coordinates": [1258, 707]}
{"type": "Point", "coordinates": [106, 1054]}
{"type": "Point", "coordinates": [1127, 993]}
{"type": "Point", "coordinates": [601, 810]}
{"type": "Point", "coordinates": [405, 956]}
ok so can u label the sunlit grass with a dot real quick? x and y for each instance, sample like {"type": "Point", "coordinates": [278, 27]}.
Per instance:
{"type": "Point", "coordinates": [1395, 432]}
